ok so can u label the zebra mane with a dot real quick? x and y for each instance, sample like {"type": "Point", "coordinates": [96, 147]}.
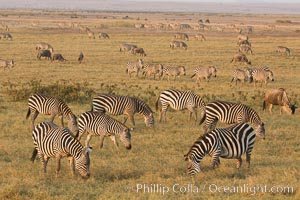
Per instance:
{"type": "Point", "coordinates": [142, 107]}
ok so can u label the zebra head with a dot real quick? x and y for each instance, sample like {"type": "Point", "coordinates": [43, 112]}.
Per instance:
{"type": "Point", "coordinates": [72, 124]}
{"type": "Point", "coordinates": [270, 75]}
{"type": "Point", "coordinates": [193, 167]}
{"type": "Point", "coordinates": [260, 130]}
{"type": "Point", "coordinates": [83, 163]}
{"type": "Point", "coordinates": [149, 120]}
{"type": "Point", "coordinates": [125, 137]}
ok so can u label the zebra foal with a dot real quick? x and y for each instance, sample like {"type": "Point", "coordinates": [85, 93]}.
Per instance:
{"type": "Point", "coordinates": [179, 100]}
{"type": "Point", "coordinates": [53, 141]}
{"type": "Point", "coordinates": [102, 125]}
{"type": "Point", "coordinates": [53, 106]}
{"type": "Point", "coordinates": [230, 113]}
{"type": "Point", "coordinates": [123, 105]}
{"type": "Point", "coordinates": [231, 143]}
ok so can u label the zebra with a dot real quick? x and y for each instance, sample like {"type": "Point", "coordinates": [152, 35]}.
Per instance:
{"type": "Point", "coordinates": [102, 125]}
{"type": "Point", "coordinates": [204, 72]}
{"type": "Point", "coordinates": [200, 36]}
{"type": "Point", "coordinates": [91, 34]}
{"type": "Point", "coordinates": [53, 141]}
{"type": "Point", "coordinates": [128, 106]}
{"type": "Point", "coordinates": [53, 106]}
{"type": "Point", "coordinates": [44, 46]}
{"type": "Point", "coordinates": [230, 142]}
{"type": "Point", "coordinates": [6, 36]}
{"type": "Point", "coordinates": [178, 44]}
{"type": "Point", "coordinates": [230, 113]}
{"type": "Point", "coordinates": [245, 49]}
{"type": "Point", "coordinates": [103, 35]}
{"type": "Point", "coordinates": [244, 43]}
{"type": "Point", "coordinates": [262, 74]}
{"type": "Point", "coordinates": [183, 36]}
{"type": "Point", "coordinates": [153, 69]}
{"type": "Point", "coordinates": [173, 71]}
{"type": "Point", "coordinates": [127, 47]}
{"type": "Point", "coordinates": [281, 50]}
{"type": "Point", "coordinates": [179, 100]}
{"type": "Point", "coordinates": [134, 67]}
{"type": "Point", "coordinates": [241, 75]}
{"type": "Point", "coordinates": [7, 63]}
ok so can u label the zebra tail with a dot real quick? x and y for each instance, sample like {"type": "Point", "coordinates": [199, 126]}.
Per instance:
{"type": "Point", "coordinates": [34, 153]}
{"type": "Point", "coordinates": [264, 105]}
{"type": "Point", "coordinates": [203, 118]}
{"type": "Point", "coordinates": [28, 113]}
{"type": "Point", "coordinates": [193, 75]}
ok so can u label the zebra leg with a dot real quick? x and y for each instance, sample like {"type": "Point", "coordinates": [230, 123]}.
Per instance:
{"type": "Point", "coordinates": [42, 160]}
{"type": "Point", "coordinates": [57, 164]}
{"type": "Point", "coordinates": [52, 117]}
{"type": "Point", "coordinates": [87, 140]}
{"type": "Point", "coordinates": [72, 164]}
{"type": "Point", "coordinates": [131, 118]}
{"type": "Point", "coordinates": [113, 138]}
{"type": "Point", "coordinates": [34, 116]}
{"type": "Point", "coordinates": [248, 158]}
{"type": "Point", "coordinates": [125, 119]}
{"type": "Point", "coordinates": [239, 163]}
{"type": "Point", "coordinates": [101, 141]}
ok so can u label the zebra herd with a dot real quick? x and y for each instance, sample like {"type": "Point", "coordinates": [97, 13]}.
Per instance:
{"type": "Point", "coordinates": [51, 140]}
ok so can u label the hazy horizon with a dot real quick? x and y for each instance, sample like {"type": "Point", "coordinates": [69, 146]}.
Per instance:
{"type": "Point", "coordinates": [213, 6]}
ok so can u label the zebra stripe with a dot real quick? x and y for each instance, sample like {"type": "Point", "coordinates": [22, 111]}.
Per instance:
{"type": "Point", "coordinates": [103, 125]}
{"type": "Point", "coordinates": [180, 100]}
{"type": "Point", "coordinates": [53, 106]}
{"type": "Point", "coordinates": [230, 113]}
{"type": "Point", "coordinates": [241, 75]}
{"type": "Point", "coordinates": [118, 105]}
{"type": "Point", "coordinates": [53, 141]}
{"type": "Point", "coordinates": [231, 142]}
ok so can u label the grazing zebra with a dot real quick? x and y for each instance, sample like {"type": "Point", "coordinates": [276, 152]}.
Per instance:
{"type": "Point", "coordinates": [102, 125]}
{"type": "Point", "coordinates": [91, 34]}
{"type": "Point", "coordinates": [204, 73]}
{"type": "Point", "coordinates": [183, 36]}
{"type": "Point", "coordinates": [283, 50]}
{"type": "Point", "coordinates": [241, 75]}
{"type": "Point", "coordinates": [179, 100]}
{"type": "Point", "coordinates": [80, 58]}
{"type": "Point", "coordinates": [231, 143]}
{"type": "Point", "coordinates": [134, 67]}
{"type": "Point", "coordinates": [53, 106]}
{"type": "Point", "coordinates": [153, 69]}
{"type": "Point", "coordinates": [178, 44]}
{"type": "Point", "coordinates": [127, 47]}
{"type": "Point", "coordinates": [200, 36]}
{"type": "Point", "coordinates": [230, 113]}
{"type": "Point", "coordinates": [244, 43]}
{"type": "Point", "coordinates": [262, 74]}
{"type": "Point", "coordinates": [53, 141]}
{"type": "Point", "coordinates": [278, 97]}
{"type": "Point", "coordinates": [7, 63]}
{"type": "Point", "coordinates": [173, 71]}
{"type": "Point", "coordinates": [245, 49]}
{"type": "Point", "coordinates": [103, 35]}
{"type": "Point", "coordinates": [44, 46]}
{"type": "Point", "coordinates": [128, 106]}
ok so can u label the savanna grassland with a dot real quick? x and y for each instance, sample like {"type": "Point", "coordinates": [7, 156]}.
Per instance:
{"type": "Point", "coordinates": [156, 156]}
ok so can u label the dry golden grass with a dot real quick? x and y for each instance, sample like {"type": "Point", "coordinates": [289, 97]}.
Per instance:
{"type": "Point", "coordinates": [157, 154]}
